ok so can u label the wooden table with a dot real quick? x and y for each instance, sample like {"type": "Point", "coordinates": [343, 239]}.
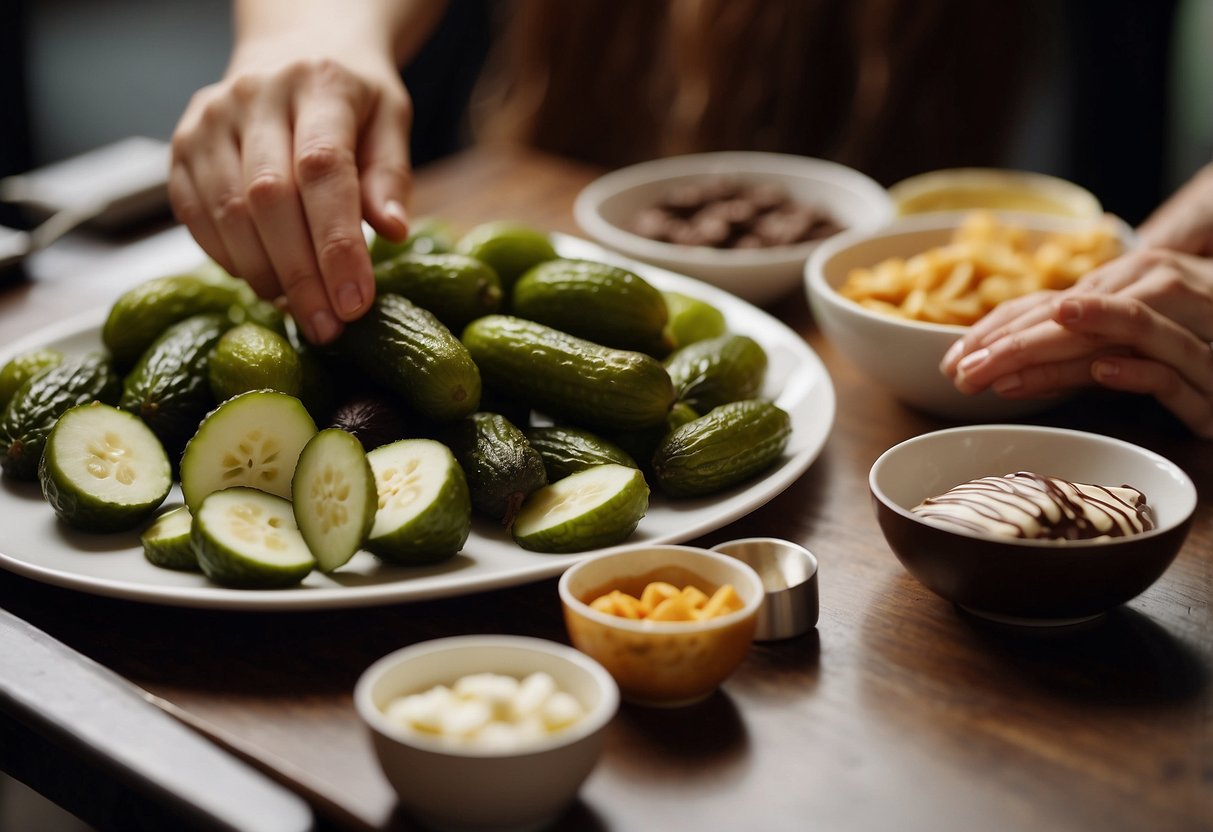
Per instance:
{"type": "Point", "coordinates": [898, 712]}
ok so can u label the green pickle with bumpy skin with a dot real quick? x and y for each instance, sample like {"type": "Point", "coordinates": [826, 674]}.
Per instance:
{"type": "Point", "coordinates": [716, 371]}
{"type": "Point", "coordinates": [569, 377]}
{"type": "Point", "coordinates": [502, 468]}
{"type": "Point", "coordinates": [408, 351]}
{"type": "Point", "coordinates": [604, 304]}
{"type": "Point", "coordinates": [725, 447]}
{"type": "Point", "coordinates": [168, 387]}
{"type": "Point", "coordinates": [37, 404]}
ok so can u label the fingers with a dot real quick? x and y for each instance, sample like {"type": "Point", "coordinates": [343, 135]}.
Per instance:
{"type": "Point", "coordinates": [275, 206]}
{"type": "Point", "coordinates": [1191, 405]}
{"type": "Point", "coordinates": [208, 186]}
{"type": "Point", "coordinates": [384, 161]}
{"type": "Point", "coordinates": [1047, 342]}
{"type": "Point", "coordinates": [1022, 313]}
{"type": "Point", "coordinates": [1180, 287]}
{"type": "Point", "coordinates": [190, 212]}
{"type": "Point", "coordinates": [1009, 316]}
{"type": "Point", "coordinates": [273, 172]}
{"type": "Point", "coordinates": [1131, 323]}
{"type": "Point", "coordinates": [325, 167]}
{"type": "Point", "coordinates": [1163, 279]}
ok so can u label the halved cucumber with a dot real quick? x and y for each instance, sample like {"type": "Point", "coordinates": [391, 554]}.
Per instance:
{"type": "Point", "coordinates": [248, 539]}
{"type": "Point", "coordinates": [334, 497]}
{"type": "Point", "coordinates": [252, 439]}
{"type": "Point", "coordinates": [425, 510]}
{"type": "Point", "coordinates": [166, 543]}
{"type": "Point", "coordinates": [103, 469]}
{"type": "Point", "coordinates": [597, 507]}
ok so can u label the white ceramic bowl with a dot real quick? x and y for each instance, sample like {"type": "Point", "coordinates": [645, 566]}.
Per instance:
{"type": "Point", "coordinates": [452, 788]}
{"type": "Point", "coordinates": [900, 355]}
{"type": "Point", "coordinates": [661, 663]}
{"type": "Point", "coordinates": [759, 276]}
{"type": "Point", "coordinates": [1032, 582]}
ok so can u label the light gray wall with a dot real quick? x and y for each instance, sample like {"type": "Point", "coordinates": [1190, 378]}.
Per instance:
{"type": "Point", "coordinates": [101, 70]}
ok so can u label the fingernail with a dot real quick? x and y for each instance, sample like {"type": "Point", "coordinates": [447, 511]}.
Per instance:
{"type": "Point", "coordinates": [324, 326]}
{"type": "Point", "coordinates": [950, 357]}
{"type": "Point", "coordinates": [1008, 384]}
{"type": "Point", "coordinates": [1070, 311]}
{"type": "Point", "coordinates": [395, 211]}
{"type": "Point", "coordinates": [1105, 370]}
{"type": "Point", "coordinates": [349, 299]}
{"type": "Point", "coordinates": [973, 360]}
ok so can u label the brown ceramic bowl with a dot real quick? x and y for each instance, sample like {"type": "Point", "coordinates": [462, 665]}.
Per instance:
{"type": "Point", "coordinates": [605, 208]}
{"type": "Point", "coordinates": [1026, 581]}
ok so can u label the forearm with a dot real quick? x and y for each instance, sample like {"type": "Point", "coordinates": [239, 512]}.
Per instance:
{"type": "Point", "coordinates": [1185, 221]}
{"type": "Point", "coordinates": [349, 30]}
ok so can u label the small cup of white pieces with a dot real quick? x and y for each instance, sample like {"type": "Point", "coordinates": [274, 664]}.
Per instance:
{"type": "Point", "coordinates": [491, 711]}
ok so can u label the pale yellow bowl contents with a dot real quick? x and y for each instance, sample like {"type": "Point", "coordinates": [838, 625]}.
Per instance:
{"type": "Point", "coordinates": [963, 189]}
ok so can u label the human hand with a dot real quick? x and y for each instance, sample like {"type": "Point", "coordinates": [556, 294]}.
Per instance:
{"type": "Point", "coordinates": [275, 167]}
{"type": "Point", "coordinates": [1142, 323]}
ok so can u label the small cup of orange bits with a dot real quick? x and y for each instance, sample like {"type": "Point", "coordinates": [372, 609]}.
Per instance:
{"type": "Point", "coordinates": [670, 623]}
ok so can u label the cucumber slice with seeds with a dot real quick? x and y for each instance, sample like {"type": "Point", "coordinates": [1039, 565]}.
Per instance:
{"type": "Point", "coordinates": [424, 508]}
{"type": "Point", "coordinates": [167, 544]}
{"type": "Point", "coordinates": [334, 497]}
{"type": "Point", "coordinates": [252, 439]}
{"type": "Point", "coordinates": [103, 469]}
{"type": "Point", "coordinates": [246, 538]}
{"type": "Point", "coordinates": [597, 507]}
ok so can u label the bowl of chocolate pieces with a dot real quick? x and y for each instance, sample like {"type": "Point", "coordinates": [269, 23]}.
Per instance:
{"type": "Point", "coordinates": [743, 221]}
{"type": "Point", "coordinates": [1028, 525]}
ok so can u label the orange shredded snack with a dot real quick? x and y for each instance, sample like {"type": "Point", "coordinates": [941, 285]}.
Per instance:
{"type": "Point", "coordinates": [986, 262]}
{"type": "Point", "coordinates": [661, 601]}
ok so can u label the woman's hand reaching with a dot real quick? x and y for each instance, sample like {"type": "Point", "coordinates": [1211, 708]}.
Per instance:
{"type": "Point", "coordinates": [1142, 323]}
{"type": "Point", "coordinates": [275, 167]}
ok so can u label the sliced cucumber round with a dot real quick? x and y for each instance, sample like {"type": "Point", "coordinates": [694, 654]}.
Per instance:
{"type": "Point", "coordinates": [253, 439]}
{"type": "Point", "coordinates": [334, 497]}
{"type": "Point", "coordinates": [424, 508]}
{"type": "Point", "coordinates": [167, 544]}
{"type": "Point", "coordinates": [248, 539]}
{"type": "Point", "coordinates": [103, 469]}
{"type": "Point", "coordinates": [597, 507]}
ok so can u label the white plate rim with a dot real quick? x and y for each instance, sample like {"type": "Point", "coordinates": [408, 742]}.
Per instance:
{"type": "Point", "coordinates": [812, 385]}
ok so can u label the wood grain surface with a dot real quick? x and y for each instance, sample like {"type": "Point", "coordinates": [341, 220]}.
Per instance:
{"type": "Point", "coordinates": [897, 712]}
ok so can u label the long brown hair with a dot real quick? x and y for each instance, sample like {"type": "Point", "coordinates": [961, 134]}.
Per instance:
{"type": "Point", "coordinates": [892, 87]}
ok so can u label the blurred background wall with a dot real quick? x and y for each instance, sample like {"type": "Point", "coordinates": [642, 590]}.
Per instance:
{"type": "Point", "coordinates": [1121, 101]}
{"type": "Point", "coordinates": [1116, 80]}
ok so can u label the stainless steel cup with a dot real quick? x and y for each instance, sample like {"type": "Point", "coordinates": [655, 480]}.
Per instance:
{"type": "Point", "coordinates": [789, 576]}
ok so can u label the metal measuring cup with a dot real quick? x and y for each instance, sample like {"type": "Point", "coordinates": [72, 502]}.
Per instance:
{"type": "Point", "coordinates": [789, 578]}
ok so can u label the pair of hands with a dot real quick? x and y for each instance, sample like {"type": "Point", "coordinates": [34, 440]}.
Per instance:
{"type": "Point", "coordinates": [1142, 323]}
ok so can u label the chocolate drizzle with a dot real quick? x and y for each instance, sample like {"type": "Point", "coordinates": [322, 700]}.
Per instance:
{"type": "Point", "coordinates": [1032, 506]}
